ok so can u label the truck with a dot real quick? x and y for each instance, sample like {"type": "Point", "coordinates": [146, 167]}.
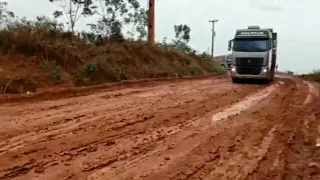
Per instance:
{"type": "Point", "coordinates": [254, 54]}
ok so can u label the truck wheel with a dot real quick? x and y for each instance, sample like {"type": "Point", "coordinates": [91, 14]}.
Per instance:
{"type": "Point", "coordinates": [267, 81]}
{"type": "Point", "coordinates": [235, 80]}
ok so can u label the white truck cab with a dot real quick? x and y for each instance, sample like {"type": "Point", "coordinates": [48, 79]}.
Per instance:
{"type": "Point", "coordinates": [253, 54]}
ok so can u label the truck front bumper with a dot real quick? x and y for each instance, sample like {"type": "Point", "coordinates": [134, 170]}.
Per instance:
{"type": "Point", "coordinates": [264, 74]}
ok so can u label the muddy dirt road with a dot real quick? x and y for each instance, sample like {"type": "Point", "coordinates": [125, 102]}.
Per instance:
{"type": "Point", "coordinates": [192, 129]}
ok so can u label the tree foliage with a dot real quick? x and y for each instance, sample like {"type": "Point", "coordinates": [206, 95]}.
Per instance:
{"type": "Point", "coordinates": [182, 32]}
{"type": "Point", "coordinates": [114, 18]}
{"type": "Point", "coordinates": [182, 38]}
{"type": "Point", "coordinates": [73, 10]}
{"type": "Point", "coordinates": [139, 22]}
{"type": "Point", "coordinates": [46, 40]}
{"type": "Point", "coordinates": [43, 23]}
{"type": "Point", "coordinates": [5, 14]}
{"type": "Point", "coordinates": [114, 15]}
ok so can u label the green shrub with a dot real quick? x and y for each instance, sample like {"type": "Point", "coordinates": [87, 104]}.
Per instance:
{"type": "Point", "coordinates": [194, 70]}
{"type": "Point", "coordinates": [53, 69]}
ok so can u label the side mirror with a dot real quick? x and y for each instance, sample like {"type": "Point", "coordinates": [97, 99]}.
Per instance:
{"type": "Point", "coordinates": [229, 45]}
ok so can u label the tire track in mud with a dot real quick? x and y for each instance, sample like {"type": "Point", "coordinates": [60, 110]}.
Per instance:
{"type": "Point", "coordinates": [241, 148]}
{"type": "Point", "coordinates": [54, 111]}
{"type": "Point", "coordinates": [272, 165]}
{"type": "Point", "coordinates": [137, 158]}
{"type": "Point", "coordinates": [166, 156]}
{"type": "Point", "coordinates": [245, 104]}
{"type": "Point", "coordinates": [166, 132]}
{"type": "Point", "coordinates": [301, 157]}
{"type": "Point", "coordinates": [296, 130]}
{"type": "Point", "coordinates": [69, 92]}
{"type": "Point", "coordinates": [313, 170]}
{"type": "Point", "coordinates": [57, 118]}
{"type": "Point", "coordinates": [77, 147]}
{"type": "Point", "coordinates": [279, 162]}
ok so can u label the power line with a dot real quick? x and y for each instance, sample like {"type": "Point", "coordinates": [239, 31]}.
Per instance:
{"type": "Point", "coordinates": [213, 35]}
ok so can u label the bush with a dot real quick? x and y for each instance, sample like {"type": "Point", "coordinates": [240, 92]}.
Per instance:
{"type": "Point", "coordinates": [315, 75]}
{"type": "Point", "coordinates": [53, 69]}
{"type": "Point", "coordinates": [62, 52]}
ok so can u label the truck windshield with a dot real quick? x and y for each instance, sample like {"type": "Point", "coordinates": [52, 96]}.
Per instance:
{"type": "Point", "coordinates": [251, 45]}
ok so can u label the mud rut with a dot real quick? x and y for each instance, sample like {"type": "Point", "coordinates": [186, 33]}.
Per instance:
{"type": "Point", "coordinates": [193, 129]}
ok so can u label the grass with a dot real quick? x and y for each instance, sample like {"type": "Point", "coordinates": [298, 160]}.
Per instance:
{"type": "Point", "coordinates": [315, 75]}
{"type": "Point", "coordinates": [63, 53]}
{"type": "Point", "coordinates": [53, 69]}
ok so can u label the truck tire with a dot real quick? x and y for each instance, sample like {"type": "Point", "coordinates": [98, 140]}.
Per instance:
{"type": "Point", "coordinates": [267, 81]}
{"type": "Point", "coordinates": [236, 80]}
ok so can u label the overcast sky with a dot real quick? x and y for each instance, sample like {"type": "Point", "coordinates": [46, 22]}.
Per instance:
{"type": "Point", "coordinates": [296, 21]}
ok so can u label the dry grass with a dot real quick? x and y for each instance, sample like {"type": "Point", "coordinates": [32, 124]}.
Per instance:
{"type": "Point", "coordinates": [66, 59]}
{"type": "Point", "coordinates": [314, 76]}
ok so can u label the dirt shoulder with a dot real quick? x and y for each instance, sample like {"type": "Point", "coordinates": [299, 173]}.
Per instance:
{"type": "Point", "coordinates": [33, 60]}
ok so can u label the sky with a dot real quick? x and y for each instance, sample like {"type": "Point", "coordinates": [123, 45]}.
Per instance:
{"type": "Point", "coordinates": [296, 21]}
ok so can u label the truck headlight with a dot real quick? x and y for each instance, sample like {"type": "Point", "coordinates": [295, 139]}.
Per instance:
{"type": "Point", "coordinates": [265, 70]}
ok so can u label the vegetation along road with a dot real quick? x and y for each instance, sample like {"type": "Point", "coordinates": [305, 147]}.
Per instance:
{"type": "Point", "coordinates": [104, 104]}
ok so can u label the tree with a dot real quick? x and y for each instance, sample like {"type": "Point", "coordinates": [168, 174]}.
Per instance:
{"type": "Point", "coordinates": [5, 14]}
{"type": "Point", "coordinates": [182, 32]}
{"type": "Point", "coordinates": [115, 14]}
{"type": "Point", "coordinates": [142, 24]}
{"type": "Point", "coordinates": [139, 22]}
{"type": "Point", "coordinates": [73, 10]}
{"type": "Point", "coordinates": [182, 38]}
{"type": "Point", "coordinates": [89, 37]}
{"type": "Point", "coordinates": [46, 23]}
{"type": "Point", "coordinates": [108, 12]}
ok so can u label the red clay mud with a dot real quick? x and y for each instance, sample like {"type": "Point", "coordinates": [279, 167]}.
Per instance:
{"type": "Point", "coordinates": [184, 129]}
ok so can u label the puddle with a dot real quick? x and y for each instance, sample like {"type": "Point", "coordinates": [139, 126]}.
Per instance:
{"type": "Point", "coordinates": [247, 103]}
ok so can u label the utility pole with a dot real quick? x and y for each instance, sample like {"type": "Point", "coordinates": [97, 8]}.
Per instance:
{"type": "Point", "coordinates": [151, 28]}
{"type": "Point", "coordinates": [213, 35]}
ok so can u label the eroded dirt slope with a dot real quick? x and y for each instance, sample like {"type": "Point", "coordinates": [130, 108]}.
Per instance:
{"type": "Point", "coordinates": [193, 129]}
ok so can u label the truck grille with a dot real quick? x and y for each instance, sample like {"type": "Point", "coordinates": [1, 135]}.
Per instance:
{"type": "Point", "coordinates": [251, 70]}
{"type": "Point", "coordinates": [249, 61]}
